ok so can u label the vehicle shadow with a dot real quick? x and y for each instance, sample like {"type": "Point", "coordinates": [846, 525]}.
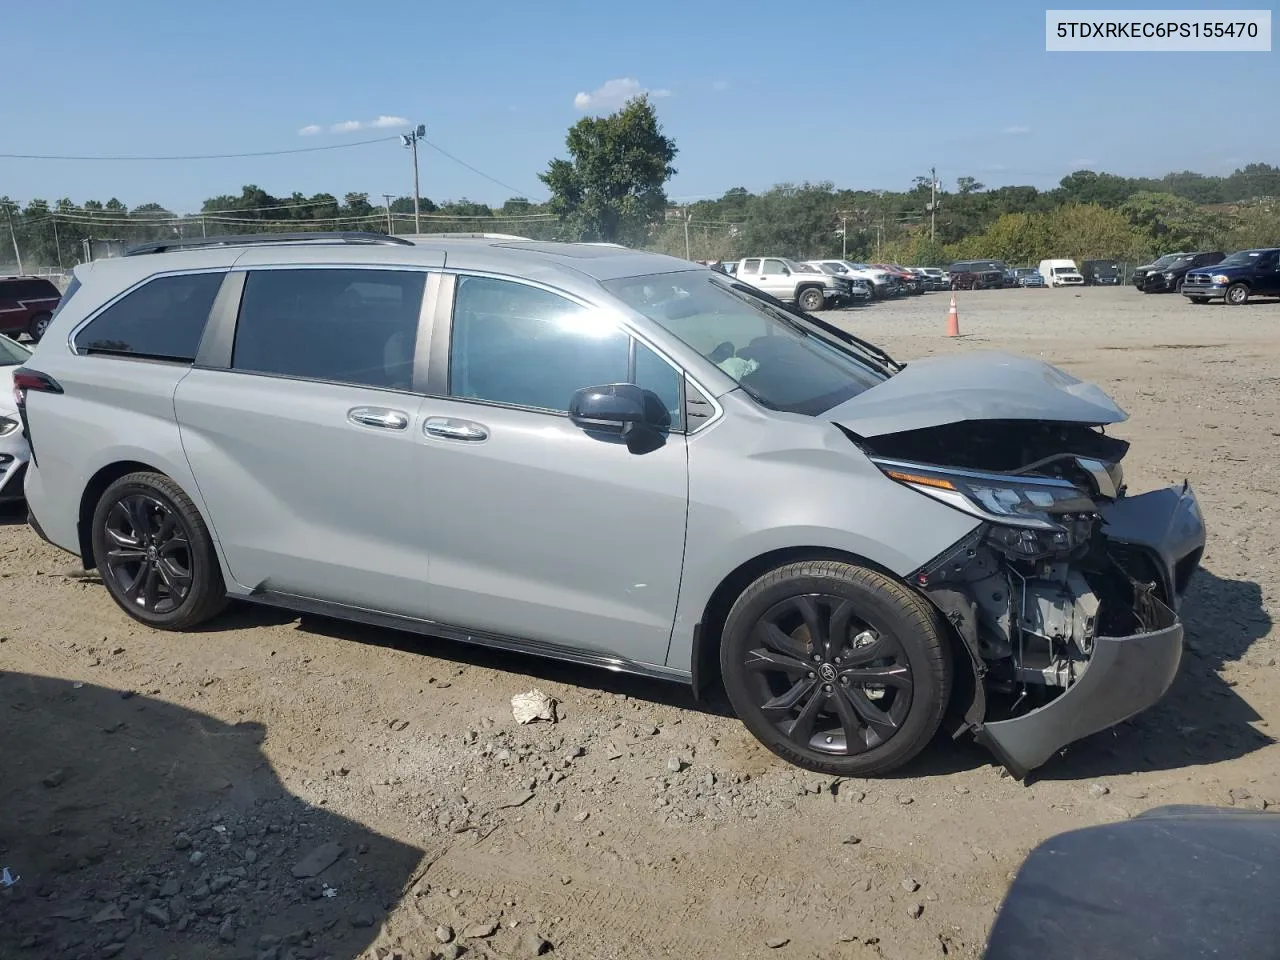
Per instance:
{"type": "Point", "coordinates": [654, 691]}
{"type": "Point", "coordinates": [131, 827]}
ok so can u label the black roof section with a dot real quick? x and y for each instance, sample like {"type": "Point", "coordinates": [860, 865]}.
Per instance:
{"type": "Point", "coordinates": [252, 239]}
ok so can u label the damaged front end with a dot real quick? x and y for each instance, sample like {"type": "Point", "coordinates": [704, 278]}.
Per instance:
{"type": "Point", "coordinates": [1065, 595]}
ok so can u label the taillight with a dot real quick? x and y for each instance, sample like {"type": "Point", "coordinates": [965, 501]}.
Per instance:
{"type": "Point", "coordinates": [25, 379]}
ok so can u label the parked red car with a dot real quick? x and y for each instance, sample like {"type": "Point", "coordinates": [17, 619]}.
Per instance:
{"type": "Point", "coordinates": [908, 281]}
{"type": "Point", "coordinates": [26, 304]}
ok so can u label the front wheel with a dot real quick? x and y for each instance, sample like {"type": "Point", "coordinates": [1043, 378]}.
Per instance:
{"type": "Point", "coordinates": [1237, 294]}
{"type": "Point", "coordinates": [155, 553]}
{"type": "Point", "coordinates": [811, 300]}
{"type": "Point", "coordinates": [836, 668]}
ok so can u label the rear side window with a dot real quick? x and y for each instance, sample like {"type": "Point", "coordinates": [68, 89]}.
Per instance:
{"type": "Point", "coordinates": [341, 325]}
{"type": "Point", "coordinates": [161, 320]}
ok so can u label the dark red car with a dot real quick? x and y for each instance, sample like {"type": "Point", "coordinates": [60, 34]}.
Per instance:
{"type": "Point", "coordinates": [26, 304]}
{"type": "Point", "coordinates": [907, 281]}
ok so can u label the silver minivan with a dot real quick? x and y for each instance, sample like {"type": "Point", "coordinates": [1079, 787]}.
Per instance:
{"type": "Point", "coordinates": [618, 459]}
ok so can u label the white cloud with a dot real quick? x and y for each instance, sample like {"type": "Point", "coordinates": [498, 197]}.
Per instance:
{"type": "Point", "coordinates": [1016, 130]}
{"type": "Point", "coordinates": [612, 94]}
{"type": "Point", "coordinates": [383, 122]}
{"type": "Point", "coordinates": [346, 126]}
{"type": "Point", "coordinates": [310, 130]}
{"type": "Point", "coordinates": [720, 86]}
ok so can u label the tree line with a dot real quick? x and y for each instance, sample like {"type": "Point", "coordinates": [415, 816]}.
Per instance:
{"type": "Point", "coordinates": [611, 188]}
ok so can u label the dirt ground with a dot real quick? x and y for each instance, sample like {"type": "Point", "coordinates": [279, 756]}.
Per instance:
{"type": "Point", "coordinates": [639, 824]}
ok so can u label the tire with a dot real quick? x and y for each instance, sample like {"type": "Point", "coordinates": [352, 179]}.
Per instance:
{"type": "Point", "coordinates": [810, 299]}
{"type": "Point", "coordinates": [977, 285]}
{"type": "Point", "coordinates": [1200, 301]}
{"type": "Point", "coordinates": [1177, 287]}
{"type": "Point", "coordinates": [1237, 295]}
{"type": "Point", "coordinates": [777, 688]}
{"type": "Point", "coordinates": [38, 325]}
{"type": "Point", "coordinates": [174, 548]}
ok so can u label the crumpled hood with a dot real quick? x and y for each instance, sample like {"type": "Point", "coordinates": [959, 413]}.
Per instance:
{"type": "Point", "coordinates": [976, 386]}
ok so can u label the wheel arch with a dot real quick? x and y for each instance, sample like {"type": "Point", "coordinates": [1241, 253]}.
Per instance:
{"type": "Point", "coordinates": [92, 493]}
{"type": "Point", "coordinates": [705, 660]}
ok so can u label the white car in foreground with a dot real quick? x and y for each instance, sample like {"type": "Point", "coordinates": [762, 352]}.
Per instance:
{"type": "Point", "coordinates": [14, 452]}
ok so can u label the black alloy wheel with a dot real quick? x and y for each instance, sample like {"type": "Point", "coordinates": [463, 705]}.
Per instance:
{"type": "Point", "coordinates": [836, 667]}
{"type": "Point", "coordinates": [148, 554]}
{"type": "Point", "coordinates": [155, 553]}
{"type": "Point", "coordinates": [825, 679]}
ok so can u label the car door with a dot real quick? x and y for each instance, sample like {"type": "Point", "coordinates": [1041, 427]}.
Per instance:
{"type": "Point", "coordinates": [1268, 274]}
{"type": "Point", "coordinates": [302, 441]}
{"type": "Point", "coordinates": [544, 532]}
{"type": "Point", "coordinates": [776, 279]}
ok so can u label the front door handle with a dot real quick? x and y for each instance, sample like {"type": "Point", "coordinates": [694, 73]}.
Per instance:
{"type": "Point", "coordinates": [381, 417]}
{"type": "Point", "coordinates": [447, 428]}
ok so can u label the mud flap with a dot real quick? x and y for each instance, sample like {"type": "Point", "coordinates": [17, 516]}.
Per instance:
{"type": "Point", "coordinates": [1125, 676]}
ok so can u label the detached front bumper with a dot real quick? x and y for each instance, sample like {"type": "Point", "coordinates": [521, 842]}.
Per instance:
{"type": "Point", "coordinates": [1124, 675]}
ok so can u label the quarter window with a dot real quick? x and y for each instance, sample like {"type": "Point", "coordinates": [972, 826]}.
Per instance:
{"type": "Point", "coordinates": [163, 319]}
{"type": "Point", "coordinates": [345, 326]}
{"type": "Point", "coordinates": [519, 345]}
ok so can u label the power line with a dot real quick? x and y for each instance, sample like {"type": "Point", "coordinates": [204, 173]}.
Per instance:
{"type": "Point", "coordinates": [196, 156]}
{"type": "Point", "coordinates": [478, 172]}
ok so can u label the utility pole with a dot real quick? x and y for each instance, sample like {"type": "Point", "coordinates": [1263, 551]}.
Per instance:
{"type": "Point", "coordinates": [57, 246]}
{"type": "Point", "coordinates": [844, 234]}
{"type": "Point", "coordinates": [686, 235]}
{"type": "Point", "coordinates": [934, 185]}
{"type": "Point", "coordinates": [410, 140]}
{"type": "Point", "coordinates": [390, 229]}
{"type": "Point", "coordinates": [13, 236]}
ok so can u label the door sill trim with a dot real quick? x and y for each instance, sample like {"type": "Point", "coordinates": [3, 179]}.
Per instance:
{"type": "Point", "coordinates": [394, 621]}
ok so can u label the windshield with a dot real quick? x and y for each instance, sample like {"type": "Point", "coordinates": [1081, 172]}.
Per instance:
{"type": "Point", "coordinates": [1064, 269]}
{"type": "Point", "coordinates": [1243, 258]}
{"type": "Point", "coordinates": [11, 352]}
{"type": "Point", "coordinates": [1168, 259]}
{"type": "Point", "coordinates": [779, 359]}
{"type": "Point", "coordinates": [805, 268]}
{"type": "Point", "coordinates": [832, 269]}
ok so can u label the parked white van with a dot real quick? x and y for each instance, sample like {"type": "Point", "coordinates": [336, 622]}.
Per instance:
{"type": "Point", "coordinates": [1061, 273]}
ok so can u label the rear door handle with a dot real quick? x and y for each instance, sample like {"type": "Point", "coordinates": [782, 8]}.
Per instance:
{"type": "Point", "coordinates": [447, 428]}
{"type": "Point", "coordinates": [381, 417]}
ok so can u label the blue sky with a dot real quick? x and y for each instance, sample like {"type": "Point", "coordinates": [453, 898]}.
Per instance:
{"type": "Point", "coordinates": [866, 95]}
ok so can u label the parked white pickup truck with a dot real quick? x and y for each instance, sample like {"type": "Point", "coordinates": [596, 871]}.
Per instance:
{"type": "Point", "coordinates": [799, 283]}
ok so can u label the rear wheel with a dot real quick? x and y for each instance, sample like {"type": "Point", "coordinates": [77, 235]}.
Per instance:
{"type": "Point", "coordinates": [836, 668]}
{"type": "Point", "coordinates": [38, 325]}
{"type": "Point", "coordinates": [155, 553]}
{"type": "Point", "coordinates": [1237, 294]}
{"type": "Point", "coordinates": [811, 299]}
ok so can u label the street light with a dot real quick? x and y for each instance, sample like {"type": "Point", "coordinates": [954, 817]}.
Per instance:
{"type": "Point", "coordinates": [410, 140]}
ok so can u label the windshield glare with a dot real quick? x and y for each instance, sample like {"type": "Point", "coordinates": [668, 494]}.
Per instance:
{"type": "Point", "coordinates": [805, 268]}
{"type": "Point", "coordinates": [779, 359]}
{"type": "Point", "coordinates": [12, 353]}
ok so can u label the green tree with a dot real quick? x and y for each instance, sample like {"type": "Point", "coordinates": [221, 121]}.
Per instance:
{"type": "Point", "coordinates": [1171, 223]}
{"type": "Point", "coordinates": [1085, 186]}
{"type": "Point", "coordinates": [1086, 231]}
{"type": "Point", "coordinates": [968, 185]}
{"type": "Point", "coordinates": [612, 188]}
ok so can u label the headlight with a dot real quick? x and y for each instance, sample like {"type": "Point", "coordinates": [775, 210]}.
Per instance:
{"type": "Point", "coordinates": [1168, 276]}
{"type": "Point", "coordinates": [8, 425]}
{"type": "Point", "coordinates": [1038, 503]}
{"type": "Point", "coordinates": [1221, 278]}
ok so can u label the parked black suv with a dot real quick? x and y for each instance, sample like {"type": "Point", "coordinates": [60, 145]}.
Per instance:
{"type": "Point", "coordinates": [1240, 276]}
{"type": "Point", "coordinates": [1165, 275]}
{"type": "Point", "coordinates": [1100, 273]}
{"type": "Point", "coordinates": [26, 304]}
{"type": "Point", "coordinates": [977, 274]}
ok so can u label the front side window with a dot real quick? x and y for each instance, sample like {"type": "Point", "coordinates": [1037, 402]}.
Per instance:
{"type": "Point", "coordinates": [774, 268]}
{"type": "Point", "coordinates": [527, 347]}
{"type": "Point", "coordinates": [342, 325]}
{"type": "Point", "coordinates": [778, 359]}
{"type": "Point", "coordinates": [163, 319]}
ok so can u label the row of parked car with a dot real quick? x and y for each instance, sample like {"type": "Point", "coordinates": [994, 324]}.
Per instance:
{"type": "Point", "coordinates": [1212, 275]}
{"type": "Point", "coordinates": [825, 284]}
{"type": "Point", "coordinates": [995, 274]}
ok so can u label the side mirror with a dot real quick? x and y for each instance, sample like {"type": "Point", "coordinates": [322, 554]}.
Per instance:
{"type": "Point", "coordinates": [612, 405]}
{"type": "Point", "coordinates": [637, 415]}
{"type": "Point", "coordinates": [786, 271]}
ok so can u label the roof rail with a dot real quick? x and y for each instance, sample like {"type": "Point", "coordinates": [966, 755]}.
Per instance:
{"type": "Point", "coordinates": [463, 236]}
{"type": "Point", "coordinates": [251, 239]}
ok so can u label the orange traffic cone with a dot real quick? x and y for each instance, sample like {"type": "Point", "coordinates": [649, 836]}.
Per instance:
{"type": "Point", "coordinates": [953, 319]}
